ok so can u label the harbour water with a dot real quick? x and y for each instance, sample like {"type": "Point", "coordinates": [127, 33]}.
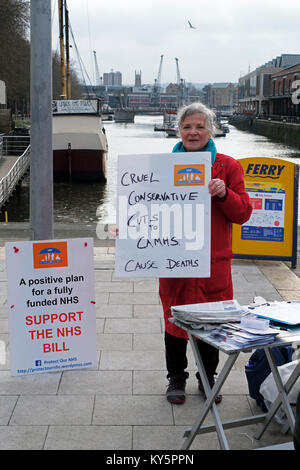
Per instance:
{"type": "Point", "coordinates": [93, 202]}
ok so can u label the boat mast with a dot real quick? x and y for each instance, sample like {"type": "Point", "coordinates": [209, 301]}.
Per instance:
{"type": "Point", "coordinates": [62, 51]}
{"type": "Point", "coordinates": [67, 52]}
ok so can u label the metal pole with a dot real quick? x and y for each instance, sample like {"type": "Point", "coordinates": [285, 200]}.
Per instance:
{"type": "Point", "coordinates": [62, 50]}
{"type": "Point", "coordinates": [41, 159]}
{"type": "Point", "coordinates": [68, 78]}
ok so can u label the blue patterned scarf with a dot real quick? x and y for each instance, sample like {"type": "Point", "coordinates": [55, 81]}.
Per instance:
{"type": "Point", "coordinates": [209, 147]}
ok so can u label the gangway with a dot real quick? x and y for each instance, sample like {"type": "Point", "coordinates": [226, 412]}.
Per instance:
{"type": "Point", "coordinates": [14, 163]}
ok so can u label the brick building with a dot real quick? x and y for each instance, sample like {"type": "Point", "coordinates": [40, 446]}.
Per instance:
{"type": "Point", "coordinates": [254, 88]}
{"type": "Point", "coordinates": [221, 96]}
{"type": "Point", "coordinates": [284, 97]}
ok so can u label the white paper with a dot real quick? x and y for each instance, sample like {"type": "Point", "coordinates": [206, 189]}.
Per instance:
{"type": "Point", "coordinates": [209, 312]}
{"type": "Point", "coordinates": [163, 215]}
{"type": "Point", "coordinates": [223, 306]}
{"type": "Point", "coordinates": [284, 312]}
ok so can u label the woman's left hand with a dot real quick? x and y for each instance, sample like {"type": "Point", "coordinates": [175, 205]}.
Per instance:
{"type": "Point", "coordinates": [217, 187]}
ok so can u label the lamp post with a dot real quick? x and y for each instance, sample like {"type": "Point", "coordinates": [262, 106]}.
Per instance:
{"type": "Point", "coordinates": [41, 159]}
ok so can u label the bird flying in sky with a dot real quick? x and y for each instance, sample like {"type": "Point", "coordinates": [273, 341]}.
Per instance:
{"type": "Point", "coordinates": [190, 25]}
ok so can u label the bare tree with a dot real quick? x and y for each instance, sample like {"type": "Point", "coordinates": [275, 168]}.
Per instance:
{"type": "Point", "coordinates": [15, 56]}
{"type": "Point", "coordinates": [76, 88]}
{"type": "Point", "coordinates": [15, 50]}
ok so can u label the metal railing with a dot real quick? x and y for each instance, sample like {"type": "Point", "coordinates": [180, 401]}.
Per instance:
{"type": "Point", "coordinates": [272, 117]}
{"type": "Point", "coordinates": [15, 144]}
{"type": "Point", "coordinates": [266, 117]}
{"type": "Point", "coordinates": [9, 182]}
{"type": "Point", "coordinates": [1, 146]}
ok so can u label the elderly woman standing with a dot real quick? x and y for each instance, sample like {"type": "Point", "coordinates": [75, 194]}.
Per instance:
{"type": "Point", "coordinates": [230, 204]}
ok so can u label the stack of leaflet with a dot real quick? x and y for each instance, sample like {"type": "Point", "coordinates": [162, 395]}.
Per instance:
{"type": "Point", "coordinates": [243, 337]}
{"type": "Point", "coordinates": [195, 315]}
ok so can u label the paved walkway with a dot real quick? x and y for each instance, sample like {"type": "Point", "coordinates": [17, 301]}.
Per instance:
{"type": "Point", "coordinates": [121, 404]}
{"type": "Point", "coordinates": [6, 164]}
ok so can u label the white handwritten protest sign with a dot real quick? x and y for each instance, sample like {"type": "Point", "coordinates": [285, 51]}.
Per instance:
{"type": "Point", "coordinates": [51, 302]}
{"type": "Point", "coordinates": [163, 215]}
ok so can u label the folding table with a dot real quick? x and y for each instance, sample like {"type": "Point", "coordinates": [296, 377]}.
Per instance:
{"type": "Point", "coordinates": [284, 338]}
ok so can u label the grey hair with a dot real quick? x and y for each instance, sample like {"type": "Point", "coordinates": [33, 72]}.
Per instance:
{"type": "Point", "coordinates": [195, 108]}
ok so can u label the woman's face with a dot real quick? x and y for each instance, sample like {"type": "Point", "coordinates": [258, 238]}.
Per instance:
{"type": "Point", "coordinates": [193, 132]}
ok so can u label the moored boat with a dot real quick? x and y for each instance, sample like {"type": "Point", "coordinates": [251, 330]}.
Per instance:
{"type": "Point", "coordinates": [124, 115]}
{"type": "Point", "coordinates": [171, 131]}
{"type": "Point", "coordinates": [79, 141]}
{"type": "Point", "coordinates": [220, 131]}
{"type": "Point", "coordinates": [170, 123]}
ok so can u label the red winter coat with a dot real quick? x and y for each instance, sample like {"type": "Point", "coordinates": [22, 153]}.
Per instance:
{"type": "Point", "coordinates": [234, 208]}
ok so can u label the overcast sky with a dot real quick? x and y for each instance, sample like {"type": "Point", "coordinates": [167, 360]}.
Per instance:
{"type": "Point", "coordinates": [230, 36]}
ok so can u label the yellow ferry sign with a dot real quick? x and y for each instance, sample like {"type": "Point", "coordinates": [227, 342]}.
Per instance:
{"type": "Point", "coordinates": [271, 231]}
{"type": "Point", "coordinates": [263, 170]}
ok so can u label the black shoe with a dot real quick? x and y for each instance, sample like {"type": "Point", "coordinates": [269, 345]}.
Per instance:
{"type": "Point", "coordinates": [176, 388]}
{"type": "Point", "coordinates": [211, 382]}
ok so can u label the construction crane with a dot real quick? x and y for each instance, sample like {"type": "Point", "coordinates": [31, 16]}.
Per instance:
{"type": "Point", "coordinates": [96, 70]}
{"type": "Point", "coordinates": [156, 87]}
{"type": "Point", "coordinates": [181, 88]}
{"type": "Point", "coordinates": [159, 70]}
{"type": "Point", "coordinates": [178, 72]}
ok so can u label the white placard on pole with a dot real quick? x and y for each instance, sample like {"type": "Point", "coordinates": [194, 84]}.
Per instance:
{"type": "Point", "coordinates": [51, 303]}
{"type": "Point", "coordinates": [163, 215]}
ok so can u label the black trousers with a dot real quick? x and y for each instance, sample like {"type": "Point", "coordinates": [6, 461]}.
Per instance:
{"type": "Point", "coordinates": [176, 359]}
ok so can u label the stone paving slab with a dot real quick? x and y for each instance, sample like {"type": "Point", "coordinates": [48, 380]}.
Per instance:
{"type": "Point", "coordinates": [135, 298]}
{"type": "Point", "coordinates": [114, 311]}
{"type": "Point", "coordinates": [29, 384]}
{"type": "Point", "coordinates": [22, 437]}
{"type": "Point", "coordinates": [169, 438]}
{"type": "Point", "coordinates": [86, 382]}
{"type": "Point", "coordinates": [88, 438]}
{"type": "Point", "coordinates": [234, 407]}
{"type": "Point", "coordinates": [7, 404]}
{"type": "Point", "coordinates": [114, 342]}
{"type": "Point", "coordinates": [132, 410]}
{"type": "Point", "coordinates": [147, 311]}
{"type": "Point", "coordinates": [132, 325]}
{"type": "Point", "coordinates": [282, 278]}
{"type": "Point", "coordinates": [132, 360]}
{"type": "Point", "coordinates": [121, 404]}
{"type": "Point", "coordinates": [148, 342]}
{"type": "Point", "coordinates": [53, 410]}
{"type": "Point", "coordinates": [113, 287]}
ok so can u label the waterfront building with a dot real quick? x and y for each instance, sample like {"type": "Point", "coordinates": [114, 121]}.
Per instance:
{"type": "Point", "coordinates": [112, 79]}
{"type": "Point", "coordinates": [222, 97]}
{"type": "Point", "coordinates": [169, 100]}
{"type": "Point", "coordinates": [2, 94]}
{"type": "Point", "coordinates": [137, 97]}
{"type": "Point", "coordinates": [5, 114]}
{"type": "Point", "coordinates": [172, 89]}
{"type": "Point", "coordinates": [254, 88]}
{"type": "Point", "coordinates": [138, 78]}
{"type": "Point", "coordinates": [142, 99]}
{"type": "Point", "coordinates": [284, 96]}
